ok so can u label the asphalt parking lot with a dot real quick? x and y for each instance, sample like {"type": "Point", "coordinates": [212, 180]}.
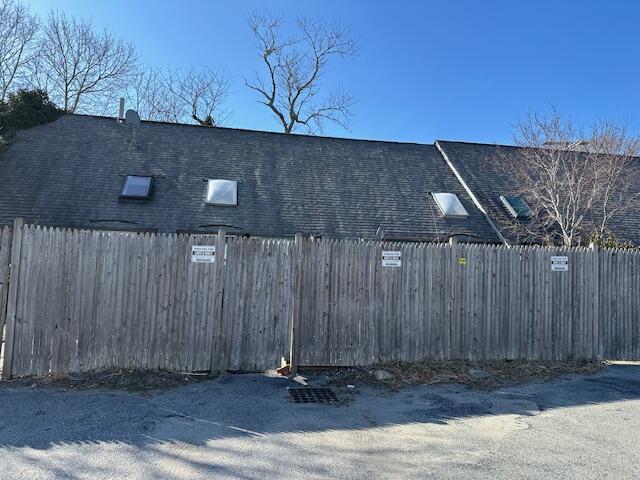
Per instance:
{"type": "Point", "coordinates": [245, 427]}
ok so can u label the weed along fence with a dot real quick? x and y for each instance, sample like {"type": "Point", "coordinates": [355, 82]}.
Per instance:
{"type": "Point", "coordinates": [82, 300]}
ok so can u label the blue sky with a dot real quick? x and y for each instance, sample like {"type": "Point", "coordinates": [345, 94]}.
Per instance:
{"type": "Point", "coordinates": [458, 70]}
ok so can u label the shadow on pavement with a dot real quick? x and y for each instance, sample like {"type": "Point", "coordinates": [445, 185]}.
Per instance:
{"type": "Point", "coordinates": [257, 406]}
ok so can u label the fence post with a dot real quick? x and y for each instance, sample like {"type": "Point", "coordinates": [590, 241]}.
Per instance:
{"type": "Point", "coordinates": [5, 261]}
{"type": "Point", "coordinates": [454, 320]}
{"type": "Point", "coordinates": [296, 307]}
{"type": "Point", "coordinates": [216, 344]}
{"type": "Point", "coordinates": [12, 302]}
{"type": "Point", "coordinates": [595, 252]}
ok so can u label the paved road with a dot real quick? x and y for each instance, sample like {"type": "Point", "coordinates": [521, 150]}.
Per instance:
{"type": "Point", "coordinates": [243, 427]}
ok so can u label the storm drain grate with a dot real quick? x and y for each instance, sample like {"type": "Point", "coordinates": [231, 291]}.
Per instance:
{"type": "Point", "coordinates": [312, 395]}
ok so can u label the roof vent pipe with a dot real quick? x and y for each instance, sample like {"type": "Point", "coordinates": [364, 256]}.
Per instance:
{"type": "Point", "coordinates": [121, 111]}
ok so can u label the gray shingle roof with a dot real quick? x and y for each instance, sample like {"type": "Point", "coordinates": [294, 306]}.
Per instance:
{"type": "Point", "coordinates": [70, 173]}
{"type": "Point", "coordinates": [476, 164]}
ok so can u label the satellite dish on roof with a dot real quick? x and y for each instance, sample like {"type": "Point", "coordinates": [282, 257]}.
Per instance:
{"type": "Point", "coordinates": [132, 119]}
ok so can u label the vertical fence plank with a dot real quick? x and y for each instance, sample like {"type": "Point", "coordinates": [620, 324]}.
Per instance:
{"type": "Point", "coordinates": [12, 305]}
{"type": "Point", "coordinates": [5, 259]}
{"type": "Point", "coordinates": [294, 350]}
{"type": "Point", "coordinates": [221, 246]}
{"type": "Point", "coordinates": [5, 247]}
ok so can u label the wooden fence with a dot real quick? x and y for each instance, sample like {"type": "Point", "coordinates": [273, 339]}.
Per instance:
{"type": "Point", "coordinates": [462, 302]}
{"type": "Point", "coordinates": [82, 300]}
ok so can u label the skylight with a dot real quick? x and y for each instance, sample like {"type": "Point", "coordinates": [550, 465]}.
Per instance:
{"type": "Point", "coordinates": [450, 205]}
{"type": "Point", "coordinates": [516, 206]}
{"type": "Point", "coordinates": [137, 187]}
{"type": "Point", "coordinates": [222, 192]}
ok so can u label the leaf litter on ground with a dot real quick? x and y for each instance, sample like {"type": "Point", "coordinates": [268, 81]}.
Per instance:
{"type": "Point", "coordinates": [132, 380]}
{"type": "Point", "coordinates": [481, 375]}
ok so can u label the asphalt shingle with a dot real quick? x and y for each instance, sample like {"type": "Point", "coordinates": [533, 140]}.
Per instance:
{"type": "Point", "coordinates": [70, 173]}
{"type": "Point", "coordinates": [478, 166]}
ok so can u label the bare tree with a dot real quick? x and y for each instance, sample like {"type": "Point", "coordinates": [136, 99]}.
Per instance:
{"type": "Point", "coordinates": [616, 151]}
{"type": "Point", "coordinates": [150, 95]}
{"type": "Point", "coordinates": [292, 87]}
{"type": "Point", "coordinates": [80, 66]}
{"type": "Point", "coordinates": [18, 29]}
{"type": "Point", "coordinates": [180, 96]}
{"type": "Point", "coordinates": [576, 182]}
{"type": "Point", "coordinates": [199, 95]}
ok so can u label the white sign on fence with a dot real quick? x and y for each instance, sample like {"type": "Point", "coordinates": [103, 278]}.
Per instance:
{"type": "Point", "coordinates": [560, 264]}
{"type": "Point", "coordinates": [391, 259]}
{"type": "Point", "coordinates": [203, 253]}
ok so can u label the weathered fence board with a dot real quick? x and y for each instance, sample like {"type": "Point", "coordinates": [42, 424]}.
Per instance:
{"type": "Point", "coordinates": [83, 300]}
{"type": "Point", "coordinates": [257, 303]}
{"type": "Point", "coordinates": [5, 259]}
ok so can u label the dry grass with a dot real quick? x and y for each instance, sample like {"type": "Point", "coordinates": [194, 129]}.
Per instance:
{"type": "Point", "coordinates": [125, 379]}
{"type": "Point", "coordinates": [484, 375]}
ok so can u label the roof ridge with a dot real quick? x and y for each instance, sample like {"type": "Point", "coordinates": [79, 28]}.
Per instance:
{"type": "Point", "coordinates": [478, 143]}
{"type": "Point", "coordinates": [266, 132]}
{"type": "Point", "coordinates": [518, 147]}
